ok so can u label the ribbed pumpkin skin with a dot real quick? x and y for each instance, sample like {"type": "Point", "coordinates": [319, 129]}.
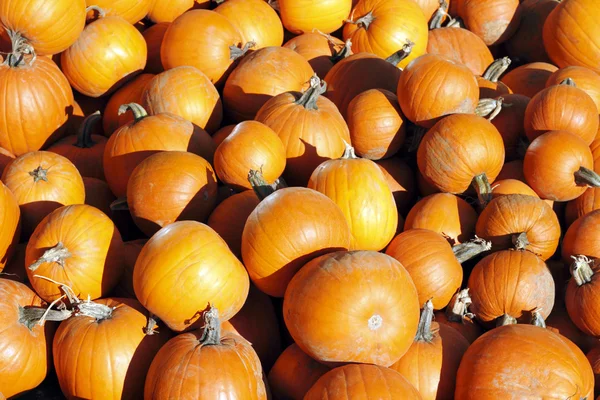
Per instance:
{"type": "Point", "coordinates": [433, 267]}
{"type": "Point", "coordinates": [10, 215]}
{"type": "Point", "coordinates": [581, 303]}
{"type": "Point", "coordinates": [493, 22]}
{"type": "Point", "coordinates": [37, 102]}
{"type": "Point", "coordinates": [585, 79]}
{"type": "Point", "coordinates": [317, 49]}
{"type": "Point", "coordinates": [131, 11]}
{"type": "Point", "coordinates": [186, 370]}
{"type": "Point", "coordinates": [129, 93]}
{"type": "Point", "coordinates": [512, 186]}
{"type": "Point", "coordinates": [505, 363]}
{"type": "Point", "coordinates": [95, 245]}
{"type": "Point", "coordinates": [529, 79]}
{"type": "Point", "coordinates": [305, 223]}
{"type": "Point", "coordinates": [401, 180]}
{"type": "Point", "coordinates": [90, 366]}
{"type": "Point", "coordinates": [430, 6]}
{"type": "Point", "coordinates": [461, 46]}
{"type": "Point", "coordinates": [97, 64]}
{"type": "Point", "coordinates": [490, 90]}
{"type": "Point", "coordinates": [512, 214]}
{"type": "Point", "coordinates": [168, 10]}
{"type": "Point", "coordinates": [385, 36]}
{"type": "Point", "coordinates": [301, 16]}
{"type": "Point", "coordinates": [360, 190]}
{"type": "Point", "coordinates": [586, 203]}
{"type": "Point", "coordinates": [580, 238]}
{"type": "Point", "coordinates": [358, 381]}
{"type": "Point", "coordinates": [5, 158]}
{"type": "Point", "coordinates": [37, 21]}
{"type": "Point", "coordinates": [182, 268]}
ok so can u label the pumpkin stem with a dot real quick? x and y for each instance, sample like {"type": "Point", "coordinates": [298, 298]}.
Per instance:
{"type": "Point", "coordinates": [84, 135]}
{"type": "Point", "coordinates": [152, 325]}
{"type": "Point", "coordinates": [581, 270]}
{"type": "Point", "coordinates": [506, 320]}
{"type": "Point", "coordinates": [138, 111]}
{"type": "Point", "coordinates": [458, 308]}
{"type": "Point", "coordinates": [100, 11]}
{"type": "Point", "coordinates": [30, 316]}
{"type": "Point", "coordinates": [39, 174]}
{"type": "Point", "coordinates": [489, 108]}
{"type": "Point", "coordinates": [418, 132]}
{"type": "Point", "coordinates": [568, 82]}
{"type": "Point", "coordinates": [401, 54]}
{"type": "Point", "coordinates": [438, 16]}
{"type": "Point", "coordinates": [587, 177]}
{"type": "Point", "coordinates": [424, 333]}
{"type": "Point", "coordinates": [20, 49]}
{"type": "Point", "coordinates": [349, 153]}
{"type": "Point", "coordinates": [119, 204]}
{"type": "Point", "coordinates": [309, 98]}
{"type": "Point", "coordinates": [482, 187]}
{"type": "Point", "coordinates": [455, 23]}
{"type": "Point", "coordinates": [363, 21]}
{"type": "Point", "coordinates": [520, 240]}
{"type": "Point", "coordinates": [466, 251]}
{"type": "Point", "coordinates": [57, 254]}
{"type": "Point", "coordinates": [496, 69]}
{"type": "Point", "coordinates": [537, 319]}
{"type": "Point", "coordinates": [274, 4]}
{"type": "Point", "coordinates": [235, 52]}
{"type": "Point", "coordinates": [343, 53]}
{"type": "Point", "coordinates": [261, 187]}
{"type": "Point", "coordinates": [212, 327]}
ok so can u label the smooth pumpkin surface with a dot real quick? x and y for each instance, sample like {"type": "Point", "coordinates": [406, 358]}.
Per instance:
{"type": "Point", "coordinates": [461, 46]}
{"type": "Point", "coordinates": [154, 37]}
{"type": "Point", "coordinates": [10, 215]}
{"type": "Point", "coordinates": [168, 10]}
{"type": "Point", "coordinates": [586, 79]}
{"type": "Point", "coordinates": [529, 79]}
{"type": "Point", "coordinates": [302, 16]}
{"type": "Point", "coordinates": [131, 92]}
{"type": "Point", "coordinates": [493, 22]}
{"type": "Point", "coordinates": [131, 11]}
{"type": "Point", "coordinates": [320, 50]}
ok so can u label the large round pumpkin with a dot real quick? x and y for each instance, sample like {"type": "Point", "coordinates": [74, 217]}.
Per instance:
{"type": "Point", "coordinates": [131, 92]}
{"type": "Point", "coordinates": [493, 22]}
{"type": "Point", "coordinates": [461, 46]}
{"type": "Point", "coordinates": [10, 215]}
{"type": "Point", "coordinates": [529, 79]}
{"type": "Point", "coordinates": [301, 16]}
{"type": "Point", "coordinates": [584, 78]}
{"type": "Point", "coordinates": [131, 11]}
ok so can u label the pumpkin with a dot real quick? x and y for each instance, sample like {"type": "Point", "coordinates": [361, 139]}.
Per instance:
{"type": "Point", "coordinates": [109, 369]}
{"type": "Point", "coordinates": [321, 51]}
{"type": "Point", "coordinates": [529, 79]}
{"type": "Point", "coordinates": [582, 295]}
{"type": "Point", "coordinates": [25, 356]}
{"type": "Point", "coordinates": [86, 256]}
{"type": "Point", "coordinates": [222, 134]}
{"type": "Point", "coordinates": [431, 362]}
{"type": "Point", "coordinates": [401, 180]}
{"type": "Point", "coordinates": [579, 47]}
{"type": "Point", "coordinates": [309, 15]}
{"type": "Point", "coordinates": [184, 267]}
{"type": "Point", "coordinates": [27, 125]}
{"type": "Point", "coordinates": [217, 364]}
{"type": "Point", "coordinates": [85, 150]}
{"type": "Point", "coordinates": [560, 322]}
{"type": "Point", "coordinates": [131, 92]}
{"type": "Point", "coordinates": [11, 227]}
{"type": "Point", "coordinates": [430, 7]}
{"type": "Point", "coordinates": [154, 37]}
{"type": "Point", "coordinates": [514, 351]}
{"type": "Point", "coordinates": [514, 186]}
{"type": "Point", "coordinates": [586, 203]}
{"type": "Point", "coordinates": [489, 84]}
{"type": "Point", "coordinates": [580, 237]}
{"type": "Point", "coordinates": [186, 92]}
{"type": "Point", "coordinates": [558, 166]}
{"type": "Point", "coordinates": [342, 181]}
{"type": "Point", "coordinates": [457, 316]}
{"type": "Point", "coordinates": [583, 78]}
{"type": "Point", "coordinates": [309, 125]}
{"type": "Point", "coordinates": [432, 265]}
{"type": "Point", "coordinates": [594, 358]}
{"type": "Point", "coordinates": [131, 251]}
{"type": "Point", "coordinates": [171, 186]}
{"type": "Point", "coordinates": [5, 158]}
{"type": "Point", "coordinates": [271, 250]}
{"type": "Point", "coordinates": [362, 381]}
{"type": "Point", "coordinates": [510, 123]}
{"type": "Point", "coordinates": [425, 95]}
{"type": "Point", "coordinates": [146, 135]}
{"type": "Point", "coordinates": [37, 23]}
{"type": "Point", "coordinates": [168, 10]}
{"type": "Point", "coordinates": [383, 323]}
{"type": "Point", "coordinates": [294, 373]}
{"type": "Point", "coordinates": [97, 64]}
{"type": "Point", "coordinates": [98, 194]}
{"type": "Point", "coordinates": [251, 145]}
{"type": "Point", "coordinates": [494, 23]}
{"type": "Point", "coordinates": [42, 182]}
{"type": "Point", "coordinates": [377, 127]}
{"type": "Point", "coordinates": [525, 222]}
{"type": "Point", "coordinates": [373, 28]}
{"type": "Point", "coordinates": [562, 107]}
{"type": "Point", "coordinates": [512, 170]}
{"type": "Point", "coordinates": [253, 82]}
{"type": "Point", "coordinates": [256, 21]}
{"type": "Point", "coordinates": [461, 46]}
{"type": "Point", "coordinates": [356, 74]}
{"type": "Point", "coordinates": [131, 11]}
{"type": "Point", "coordinates": [445, 214]}
{"type": "Point", "coordinates": [459, 151]}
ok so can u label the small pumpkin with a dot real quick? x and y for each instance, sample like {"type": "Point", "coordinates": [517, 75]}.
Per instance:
{"type": "Point", "coordinates": [580, 237]}
{"type": "Point", "coordinates": [131, 92]}
{"type": "Point", "coordinates": [582, 295]}
{"type": "Point", "coordinates": [131, 11]}
{"type": "Point", "coordinates": [309, 15]}
{"type": "Point", "coordinates": [321, 51]}
{"type": "Point", "coordinates": [583, 78]}
{"type": "Point", "coordinates": [494, 23]}
{"type": "Point", "coordinates": [168, 10]}
{"type": "Point", "coordinates": [529, 79]}
{"type": "Point", "coordinates": [401, 180]}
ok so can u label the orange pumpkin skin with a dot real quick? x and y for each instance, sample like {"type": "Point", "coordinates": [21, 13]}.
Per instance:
{"type": "Point", "coordinates": [255, 20]}
{"type": "Point", "coordinates": [514, 186]}
{"type": "Point", "coordinates": [96, 64]}
{"type": "Point", "coordinates": [252, 83]}
{"type": "Point", "coordinates": [466, 137]}
{"type": "Point", "coordinates": [168, 10]}
{"type": "Point", "coordinates": [25, 357]}
{"type": "Point", "coordinates": [310, 15]}
{"type": "Point", "coordinates": [319, 50]}
{"type": "Point", "coordinates": [220, 135]}
{"type": "Point", "coordinates": [560, 322]}
{"type": "Point", "coordinates": [131, 11]}
{"type": "Point", "coordinates": [192, 254]}
{"type": "Point", "coordinates": [5, 158]}
{"type": "Point", "coordinates": [251, 145]}
{"type": "Point", "coordinates": [359, 381]}
{"type": "Point", "coordinates": [37, 22]}
{"type": "Point", "coordinates": [513, 214]}
{"type": "Point", "coordinates": [271, 264]}
{"type": "Point", "coordinates": [461, 46]}
{"type": "Point", "coordinates": [188, 93]}
{"type": "Point", "coordinates": [551, 161]}
{"type": "Point", "coordinates": [171, 186]}
{"type": "Point", "coordinates": [579, 47]}
{"type": "Point", "coordinates": [510, 123]}
{"type": "Point", "coordinates": [468, 328]}
{"type": "Point", "coordinates": [154, 37]}
{"type": "Point", "coordinates": [513, 349]}
{"type": "Point", "coordinates": [384, 36]}
{"type": "Point", "coordinates": [432, 265]}
{"type": "Point", "coordinates": [586, 203]}
{"type": "Point", "coordinates": [378, 331]}
{"type": "Point", "coordinates": [580, 238]}
{"type": "Point", "coordinates": [445, 214]}
{"type": "Point", "coordinates": [494, 23]}
{"type": "Point", "coordinates": [98, 194]}
{"type": "Point", "coordinates": [401, 180]}
{"type": "Point", "coordinates": [376, 124]}
{"type": "Point", "coordinates": [27, 125]}
{"type": "Point", "coordinates": [119, 370]}
{"type": "Point", "coordinates": [64, 186]}
{"type": "Point", "coordinates": [529, 79]}
{"type": "Point", "coordinates": [429, 7]}
{"type": "Point", "coordinates": [425, 95]}
{"type": "Point", "coordinates": [580, 300]}
{"type": "Point", "coordinates": [11, 227]}
{"type": "Point", "coordinates": [489, 89]}
{"type": "Point", "coordinates": [294, 373]}
{"type": "Point", "coordinates": [131, 92]}
{"type": "Point", "coordinates": [358, 184]}
{"type": "Point", "coordinates": [594, 358]}
{"type": "Point", "coordinates": [584, 78]}
{"type": "Point", "coordinates": [95, 247]}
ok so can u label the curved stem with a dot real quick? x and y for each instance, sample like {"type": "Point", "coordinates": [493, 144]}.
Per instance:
{"type": "Point", "coordinates": [520, 240]}
{"type": "Point", "coordinates": [309, 98]}
{"type": "Point", "coordinates": [482, 187]}
{"type": "Point", "coordinates": [506, 320]}
{"type": "Point", "coordinates": [235, 52]}
{"type": "Point", "coordinates": [84, 135]}
{"type": "Point", "coordinates": [568, 82]}
{"type": "Point", "coordinates": [39, 174]}
{"type": "Point", "coordinates": [438, 16]}
{"type": "Point", "coordinates": [364, 21]}
{"type": "Point", "coordinates": [587, 177]}
{"type": "Point", "coordinates": [20, 49]}
{"type": "Point", "coordinates": [261, 187]}
{"type": "Point", "coordinates": [348, 152]}
{"type": "Point", "coordinates": [100, 11]}
{"type": "Point", "coordinates": [401, 54]}
{"type": "Point", "coordinates": [581, 270]}
{"type": "Point", "coordinates": [537, 319]}
{"type": "Point", "coordinates": [458, 308]}
{"type": "Point", "coordinates": [212, 327]}
{"type": "Point", "coordinates": [138, 111]}
{"type": "Point", "coordinates": [489, 108]}
{"type": "Point", "coordinates": [466, 251]}
{"type": "Point", "coordinates": [496, 69]}
{"type": "Point", "coordinates": [31, 316]}
{"type": "Point", "coordinates": [152, 325]}
{"type": "Point", "coordinates": [57, 254]}
{"type": "Point", "coordinates": [343, 53]}
{"type": "Point", "coordinates": [424, 333]}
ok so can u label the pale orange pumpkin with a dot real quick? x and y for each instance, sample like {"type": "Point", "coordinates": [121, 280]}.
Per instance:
{"type": "Point", "coordinates": [301, 16]}
{"type": "Point", "coordinates": [131, 11]}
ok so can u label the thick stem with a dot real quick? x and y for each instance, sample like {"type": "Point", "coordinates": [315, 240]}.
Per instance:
{"type": "Point", "coordinates": [235, 52]}
{"type": "Point", "coordinates": [119, 204]}
{"type": "Point", "coordinates": [520, 240]}
{"type": "Point", "coordinates": [349, 153]}
{"type": "Point", "coordinates": [482, 187]}
{"type": "Point", "coordinates": [489, 108]}
{"type": "Point", "coordinates": [458, 308]}
{"type": "Point", "coordinates": [84, 135]}
{"type": "Point", "coordinates": [97, 311]}
{"type": "Point", "coordinates": [455, 23]}
{"type": "Point", "coordinates": [152, 325]}
{"type": "Point", "coordinates": [138, 111]}
{"type": "Point", "coordinates": [31, 316]}
{"type": "Point", "coordinates": [100, 11]}
{"type": "Point", "coordinates": [261, 187]}
{"type": "Point", "coordinates": [363, 21]}
{"type": "Point", "coordinates": [424, 333]}
{"type": "Point", "coordinates": [309, 98]}
{"type": "Point", "coordinates": [57, 254]}
{"type": "Point", "coordinates": [466, 251]}
{"type": "Point", "coordinates": [506, 320]}
{"type": "Point", "coordinates": [581, 270]}
{"type": "Point", "coordinates": [39, 174]}
{"type": "Point", "coordinates": [401, 54]}
{"type": "Point", "coordinates": [20, 49]}
{"type": "Point", "coordinates": [587, 177]}
{"type": "Point", "coordinates": [496, 69]}
{"type": "Point", "coordinates": [212, 327]}
{"type": "Point", "coordinates": [439, 15]}
{"type": "Point", "coordinates": [568, 82]}
{"type": "Point", "coordinates": [537, 319]}
{"type": "Point", "coordinates": [343, 53]}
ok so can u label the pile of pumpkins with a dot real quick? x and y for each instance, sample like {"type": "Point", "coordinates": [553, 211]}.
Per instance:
{"type": "Point", "coordinates": [300, 199]}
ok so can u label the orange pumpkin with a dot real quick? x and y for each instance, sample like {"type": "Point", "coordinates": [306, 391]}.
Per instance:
{"type": "Point", "coordinates": [384, 322]}
{"type": "Point", "coordinates": [529, 79]}
{"type": "Point", "coordinates": [98, 194]}
{"type": "Point", "coordinates": [154, 37]}
{"type": "Point", "coordinates": [401, 180]}
{"type": "Point", "coordinates": [489, 84]}
{"type": "Point", "coordinates": [580, 238]}
{"type": "Point", "coordinates": [168, 10]}
{"type": "Point", "coordinates": [5, 158]}
{"type": "Point", "coordinates": [430, 7]}
{"type": "Point", "coordinates": [512, 170]}
{"type": "Point", "coordinates": [11, 226]}
{"type": "Point", "coordinates": [222, 134]}
{"type": "Point", "coordinates": [310, 15]}
{"type": "Point", "coordinates": [510, 123]}
{"type": "Point", "coordinates": [586, 203]}
{"type": "Point", "coordinates": [513, 186]}
{"type": "Point", "coordinates": [321, 51]}
{"type": "Point", "coordinates": [582, 295]}
{"type": "Point", "coordinates": [131, 11]}
{"type": "Point", "coordinates": [584, 79]}
{"type": "Point", "coordinates": [560, 322]}
{"type": "Point", "coordinates": [494, 23]}
{"type": "Point", "coordinates": [461, 46]}
{"type": "Point", "coordinates": [129, 93]}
